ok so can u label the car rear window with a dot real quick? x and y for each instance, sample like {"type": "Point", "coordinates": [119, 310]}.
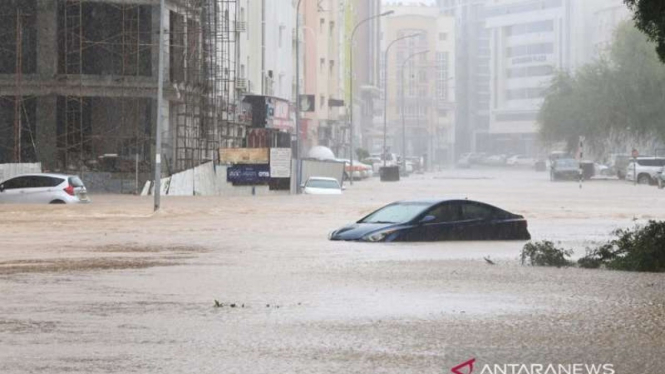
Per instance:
{"type": "Point", "coordinates": [46, 181]}
{"type": "Point", "coordinates": [76, 182]}
{"type": "Point", "coordinates": [654, 162]}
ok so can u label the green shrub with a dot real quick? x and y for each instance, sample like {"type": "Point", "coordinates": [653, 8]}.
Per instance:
{"type": "Point", "coordinates": [545, 253]}
{"type": "Point", "coordinates": [639, 249]}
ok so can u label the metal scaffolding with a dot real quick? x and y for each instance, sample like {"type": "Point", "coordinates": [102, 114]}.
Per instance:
{"type": "Point", "coordinates": [106, 78]}
{"type": "Point", "coordinates": [15, 127]}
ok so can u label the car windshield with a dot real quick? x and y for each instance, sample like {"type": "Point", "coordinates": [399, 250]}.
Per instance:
{"type": "Point", "coordinates": [396, 213]}
{"type": "Point", "coordinates": [322, 183]}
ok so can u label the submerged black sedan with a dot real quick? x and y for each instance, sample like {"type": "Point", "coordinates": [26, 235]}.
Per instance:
{"type": "Point", "coordinates": [435, 220]}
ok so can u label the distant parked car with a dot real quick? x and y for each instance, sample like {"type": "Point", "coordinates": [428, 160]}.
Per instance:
{"type": "Point", "coordinates": [565, 169]}
{"type": "Point", "coordinates": [645, 171]}
{"type": "Point", "coordinates": [495, 160]}
{"type": "Point", "coordinates": [477, 158]}
{"type": "Point", "coordinates": [435, 220]}
{"type": "Point", "coordinates": [43, 189]}
{"type": "Point", "coordinates": [521, 160]}
{"type": "Point", "coordinates": [360, 170]}
{"type": "Point", "coordinates": [322, 186]}
{"type": "Point", "coordinates": [464, 162]}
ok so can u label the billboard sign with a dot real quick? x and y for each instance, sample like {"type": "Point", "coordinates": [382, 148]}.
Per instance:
{"type": "Point", "coordinates": [248, 174]}
{"type": "Point", "coordinates": [244, 155]}
{"type": "Point", "coordinates": [280, 162]}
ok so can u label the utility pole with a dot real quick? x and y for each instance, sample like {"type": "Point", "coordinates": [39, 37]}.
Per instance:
{"type": "Point", "coordinates": [160, 114]}
{"type": "Point", "coordinates": [298, 174]}
{"type": "Point", "coordinates": [18, 99]}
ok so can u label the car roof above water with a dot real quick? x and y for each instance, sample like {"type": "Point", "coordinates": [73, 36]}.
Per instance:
{"type": "Point", "coordinates": [322, 179]}
{"type": "Point", "coordinates": [45, 175]}
{"type": "Point", "coordinates": [432, 201]}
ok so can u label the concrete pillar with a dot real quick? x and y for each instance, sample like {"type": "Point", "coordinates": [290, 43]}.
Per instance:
{"type": "Point", "coordinates": [47, 68]}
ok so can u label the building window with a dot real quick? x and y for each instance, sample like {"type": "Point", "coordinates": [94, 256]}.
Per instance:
{"type": "Point", "coordinates": [442, 60]}
{"type": "Point", "coordinates": [322, 24]}
{"type": "Point", "coordinates": [530, 28]}
{"type": "Point", "coordinates": [530, 49]}
{"type": "Point", "coordinates": [530, 71]}
{"type": "Point", "coordinates": [525, 93]}
{"type": "Point", "coordinates": [422, 76]}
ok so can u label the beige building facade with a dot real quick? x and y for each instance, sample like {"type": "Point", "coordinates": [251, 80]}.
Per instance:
{"type": "Point", "coordinates": [420, 86]}
{"type": "Point", "coordinates": [322, 41]}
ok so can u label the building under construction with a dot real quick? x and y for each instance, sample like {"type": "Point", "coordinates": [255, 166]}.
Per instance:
{"type": "Point", "coordinates": [78, 85]}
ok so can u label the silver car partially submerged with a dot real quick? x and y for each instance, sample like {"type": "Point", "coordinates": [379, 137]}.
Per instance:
{"type": "Point", "coordinates": [43, 189]}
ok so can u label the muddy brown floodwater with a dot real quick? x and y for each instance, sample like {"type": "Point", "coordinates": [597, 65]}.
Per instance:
{"type": "Point", "coordinates": [110, 288]}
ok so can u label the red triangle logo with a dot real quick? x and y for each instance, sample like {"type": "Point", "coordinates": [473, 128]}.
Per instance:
{"type": "Point", "coordinates": [458, 369]}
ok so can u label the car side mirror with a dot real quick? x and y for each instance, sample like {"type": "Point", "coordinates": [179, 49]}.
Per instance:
{"type": "Point", "coordinates": [427, 219]}
{"type": "Point", "coordinates": [2, 188]}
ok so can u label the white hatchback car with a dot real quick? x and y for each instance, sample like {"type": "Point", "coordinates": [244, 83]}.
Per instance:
{"type": "Point", "coordinates": [43, 189]}
{"type": "Point", "coordinates": [322, 186]}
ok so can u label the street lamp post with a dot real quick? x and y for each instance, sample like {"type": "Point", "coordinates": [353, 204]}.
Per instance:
{"type": "Point", "coordinates": [353, 34]}
{"type": "Point", "coordinates": [298, 174]}
{"type": "Point", "coordinates": [403, 108]}
{"type": "Point", "coordinates": [160, 103]}
{"type": "Point", "coordinates": [385, 91]}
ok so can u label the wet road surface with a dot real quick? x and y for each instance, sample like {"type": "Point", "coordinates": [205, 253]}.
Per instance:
{"type": "Point", "coordinates": [111, 288]}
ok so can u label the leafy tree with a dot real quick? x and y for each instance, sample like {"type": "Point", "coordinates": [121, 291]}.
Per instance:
{"type": "Point", "coordinates": [650, 19]}
{"type": "Point", "coordinates": [362, 153]}
{"type": "Point", "coordinates": [609, 101]}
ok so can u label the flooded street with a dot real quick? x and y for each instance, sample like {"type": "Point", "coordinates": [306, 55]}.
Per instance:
{"type": "Point", "coordinates": [110, 287]}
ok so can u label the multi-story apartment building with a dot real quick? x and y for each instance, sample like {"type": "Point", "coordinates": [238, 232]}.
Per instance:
{"type": "Point", "coordinates": [323, 43]}
{"type": "Point", "coordinates": [420, 93]}
{"type": "Point", "coordinates": [266, 63]}
{"type": "Point", "coordinates": [472, 73]}
{"type": "Point", "coordinates": [78, 81]}
{"type": "Point", "coordinates": [266, 48]}
{"type": "Point", "coordinates": [607, 15]}
{"type": "Point", "coordinates": [530, 40]}
{"type": "Point", "coordinates": [366, 71]}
